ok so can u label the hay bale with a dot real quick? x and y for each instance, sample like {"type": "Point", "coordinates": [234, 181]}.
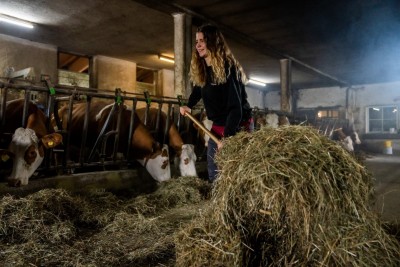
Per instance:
{"type": "Point", "coordinates": [41, 217]}
{"type": "Point", "coordinates": [173, 193]}
{"type": "Point", "coordinates": [204, 242]}
{"type": "Point", "coordinates": [55, 228]}
{"type": "Point", "coordinates": [293, 197]}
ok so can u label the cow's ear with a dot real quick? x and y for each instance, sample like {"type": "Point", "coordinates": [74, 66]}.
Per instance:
{"type": "Point", "coordinates": [5, 155]}
{"type": "Point", "coordinates": [51, 140]}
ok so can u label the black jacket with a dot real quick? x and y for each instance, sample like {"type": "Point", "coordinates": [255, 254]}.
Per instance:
{"type": "Point", "coordinates": [226, 104]}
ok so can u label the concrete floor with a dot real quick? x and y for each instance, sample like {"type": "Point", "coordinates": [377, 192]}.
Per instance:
{"type": "Point", "coordinates": [386, 171]}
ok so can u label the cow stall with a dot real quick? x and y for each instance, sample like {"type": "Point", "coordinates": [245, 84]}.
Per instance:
{"type": "Point", "coordinates": [102, 153]}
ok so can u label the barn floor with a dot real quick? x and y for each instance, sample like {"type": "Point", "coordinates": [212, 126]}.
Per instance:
{"type": "Point", "coordinates": [386, 171]}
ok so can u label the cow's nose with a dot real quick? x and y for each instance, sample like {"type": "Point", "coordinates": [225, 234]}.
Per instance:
{"type": "Point", "coordinates": [14, 182]}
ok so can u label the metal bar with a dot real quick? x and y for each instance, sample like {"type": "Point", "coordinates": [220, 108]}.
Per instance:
{"type": "Point", "coordinates": [84, 131]}
{"type": "Point", "coordinates": [3, 108]}
{"type": "Point", "coordinates": [131, 125]}
{"type": "Point", "coordinates": [157, 128]}
{"type": "Point", "coordinates": [25, 110]}
{"type": "Point", "coordinates": [102, 131]}
{"type": "Point", "coordinates": [167, 124]}
{"type": "Point", "coordinates": [117, 131]}
{"type": "Point", "coordinates": [68, 127]}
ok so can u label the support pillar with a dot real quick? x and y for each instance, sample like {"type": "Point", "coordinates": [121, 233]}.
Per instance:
{"type": "Point", "coordinates": [182, 52]}
{"type": "Point", "coordinates": [286, 82]}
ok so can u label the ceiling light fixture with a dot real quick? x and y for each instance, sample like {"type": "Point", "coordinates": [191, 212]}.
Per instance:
{"type": "Point", "coordinates": [165, 58]}
{"type": "Point", "coordinates": [257, 82]}
{"type": "Point", "coordinates": [16, 21]}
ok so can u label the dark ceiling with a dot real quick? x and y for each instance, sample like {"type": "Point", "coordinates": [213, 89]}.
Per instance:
{"type": "Point", "coordinates": [330, 42]}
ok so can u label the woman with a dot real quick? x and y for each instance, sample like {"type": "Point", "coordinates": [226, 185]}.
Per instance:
{"type": "Point", "coordinates": [219, 80]}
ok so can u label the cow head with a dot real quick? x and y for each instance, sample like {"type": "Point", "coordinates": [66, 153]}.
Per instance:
{"type": "Point", "coordinates": [356, 139]}
{"type": "Point", "coordinates": [27, 151]}
{"type": "Point", "coordinates": [343, 138]}
{"type": "Point", "coordinates": [187, 161]}
{"type": "Point", "coordinates": [347, 144]}
{"type": "Point", "coordinates": [208, 124]}
{"type": "Point", "coordinates": [157, 164]}
{"type": "Point", "coordinates": [272, 120]}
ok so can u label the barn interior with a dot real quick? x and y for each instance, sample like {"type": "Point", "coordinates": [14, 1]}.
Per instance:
{"type": "Point", "coordinates": [329, 42]}
{"type": "Point", "coordinates": [337, 60]}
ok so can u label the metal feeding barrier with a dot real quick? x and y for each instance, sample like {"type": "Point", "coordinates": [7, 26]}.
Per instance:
{"type": "Point", "coordinates": [50, 97]}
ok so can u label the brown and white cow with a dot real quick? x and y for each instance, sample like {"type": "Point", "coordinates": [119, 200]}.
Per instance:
{"type": "Point", "coordinates": [26, 147]}
{"type": "Point", "coordinates": [144, 148]}
{"type": "Point", "coordinates": [346, 136]}
{"type": "Point", "coordinates": [185, 157]}
{"type": "Point", "coordinates": [271, 120]}
{"type": "Point", "coordinates": [207, 123]}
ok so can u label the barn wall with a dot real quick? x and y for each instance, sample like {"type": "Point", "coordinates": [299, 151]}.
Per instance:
{"type": "Point", "coordinates": [360, 97]}
{"type": "Point", "coordinates": [167, 83]}
{"type": "Point", "coordinates": [324, 97]}
{"type": "Point", "coordinates": [20, 54]}
{"type": "Point", "coordinates": [255, 97]}
{"type": "Point", "coordinates": [111, 73]}
{"type": "Point", "coordinates": [371, 95]}
{"type": "Point", "coordinates": [272, 100]}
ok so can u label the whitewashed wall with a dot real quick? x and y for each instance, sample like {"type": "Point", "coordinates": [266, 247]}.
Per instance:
{"type": "Point", "coordinates": [255, 97]}
{"type": "Point", "coordinates": [272, 100]}
{"type": "Point", "coordinates": [360, 97]}
{"type": "Point", "coordinates": [20, 54]}
{"type": "Point", "coordinates": [374, 95]}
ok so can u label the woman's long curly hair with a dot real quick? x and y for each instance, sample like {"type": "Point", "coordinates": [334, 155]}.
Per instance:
{"type": "Point", "coordinates": [219, 53]}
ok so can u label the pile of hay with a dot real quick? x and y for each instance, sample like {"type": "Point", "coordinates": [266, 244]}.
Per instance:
{"type": "Point", "coordinates": [287, 197]}
{"type": "Point", "coordinates": [55, 228]}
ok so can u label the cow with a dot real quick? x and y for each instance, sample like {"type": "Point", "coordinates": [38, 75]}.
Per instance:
{"type": "Point", "coordinates": [26, 146]}
{"type": "Point", "coordinates": [208, 124]}
{"type": "Point", "coordinates": [144, 147]}
{"type": "Point", "coordinates": [346, 136]}
{"type": "Point", "coordinates": [185, 157]}
{"type": "Point", "coordinates": [271, 120]}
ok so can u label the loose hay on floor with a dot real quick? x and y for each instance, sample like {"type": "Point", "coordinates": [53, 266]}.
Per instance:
{"type": "Point", "coordinates": [288, 197]}
{"type": "Point", "coordinates": [55, 228]}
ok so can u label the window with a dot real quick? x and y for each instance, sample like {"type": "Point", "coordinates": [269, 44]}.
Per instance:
{"type": "Point", "coordinates": [382, 119]}
{"type": "Point", "coordinates": [330, 113]}
{"type": "Point", "coordinates": [146, 80]}
{"type": "Point", "coordinates": [73, 70]}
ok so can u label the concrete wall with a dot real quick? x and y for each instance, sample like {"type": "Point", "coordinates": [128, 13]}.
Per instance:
{"type": "Point", "coordinates": [272, 100]}
{"type": "Point", "coordinates": [255, 97]}
{"type": "Point", "coordinates": [20, 54]}
{"type": "Point", "coordinates": [360, 97]}
{"type": "Point", "coordinates": [167, 82]}
{"type": "Point", "coordinates": [110, 73]}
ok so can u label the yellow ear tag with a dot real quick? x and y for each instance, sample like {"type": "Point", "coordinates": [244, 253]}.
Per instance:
{"type": "Point", "coordinates": [4, 157]}
{"type": "Point", "coordinates": [50, 143]}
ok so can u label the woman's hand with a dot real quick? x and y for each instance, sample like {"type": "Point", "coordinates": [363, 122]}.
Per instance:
{"type": "Point", "coordinates": [220, 145]}
{"type": "Point", "coordinates": [184, 109]}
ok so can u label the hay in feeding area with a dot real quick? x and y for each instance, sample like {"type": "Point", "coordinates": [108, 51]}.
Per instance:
{"type": "Point", "coordinates": [287, 197]}
{"type": "Point", "coordinates": [53, 227]}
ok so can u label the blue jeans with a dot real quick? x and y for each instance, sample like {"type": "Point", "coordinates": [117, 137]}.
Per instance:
{"type": "Point", "coordinates": [211, 165]}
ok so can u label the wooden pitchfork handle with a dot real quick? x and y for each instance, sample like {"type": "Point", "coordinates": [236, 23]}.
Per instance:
{"type": "Point", "coordinates": [213, 137]}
